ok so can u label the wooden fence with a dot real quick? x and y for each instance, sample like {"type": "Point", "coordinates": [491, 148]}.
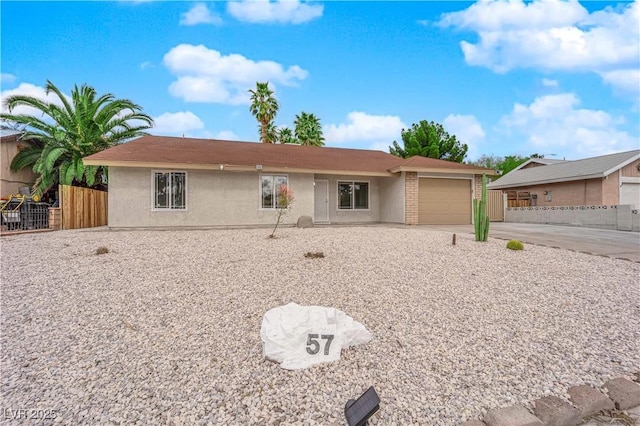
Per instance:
{"type": "Point", "coordinates": [82, 207]}
{"type": "Point", "coordinates": [495, 205]}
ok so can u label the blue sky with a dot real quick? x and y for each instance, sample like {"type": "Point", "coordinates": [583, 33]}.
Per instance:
{"type": "Point", "coordinates": [507, 78]}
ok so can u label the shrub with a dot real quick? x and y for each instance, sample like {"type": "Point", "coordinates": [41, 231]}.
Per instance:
{"type": "Point", "coordinates": [315, 255]}
{"type": "Point", "coordinates": [515, 245]}
{"type": "Point", "coordinates": [102, 250]}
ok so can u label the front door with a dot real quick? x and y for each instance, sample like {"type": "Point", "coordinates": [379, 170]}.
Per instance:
{"type": "Point", "coordinates": [321, 201]}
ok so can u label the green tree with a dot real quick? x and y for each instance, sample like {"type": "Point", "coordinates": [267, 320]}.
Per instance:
{"type": "Point", "coordinates": [64, 132]}
{"type": "Point", "coordinates": [285, 135]}
{"type": "Point", "coordinates": [429, 139]}
{"type": "Point", "coordinates": [308, 130]}
{"type": "Point", "coordinates": [264, 108]}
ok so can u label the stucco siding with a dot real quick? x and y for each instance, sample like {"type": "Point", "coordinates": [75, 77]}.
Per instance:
{"type": "Point", "coordinates": [372, 214]}
{"type": "Point", "coordinates": [392, 199]}
{"type": "Point", "coordinates": [214, 198]}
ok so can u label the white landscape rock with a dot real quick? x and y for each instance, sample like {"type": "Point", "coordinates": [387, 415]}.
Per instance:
{"type": "Point", "coordinates": [301, 336]}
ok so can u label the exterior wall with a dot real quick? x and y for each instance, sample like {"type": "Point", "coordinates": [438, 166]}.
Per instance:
{"type": "Point", "coordinates": [352, 216]}
{"type": "Point", "coordinates": [574, 193]}
{"type": "Point", "coordinates": [532, 165]}
{"type": "Point", "coordinates": [392, 199]}
{"type": "Point", "coordinates": [611, 189]}
{"type": "Point", "coordinates": [10, 181]}
{"type": "Point", "coordinates": [621, 218]}
{"type": "Point", "coordinates": [214, 198]}
{"type": "Point", "coordinates": [631, 170]}
{"type": "Point", "coordinates": [477, 186]}
{"type": "Point", "coordinates": [411, 198]}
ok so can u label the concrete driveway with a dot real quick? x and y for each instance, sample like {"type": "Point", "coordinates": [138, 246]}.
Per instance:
{"type": "Point", "coordinates": [602, 242]}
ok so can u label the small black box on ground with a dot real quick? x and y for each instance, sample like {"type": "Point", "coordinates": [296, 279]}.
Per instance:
{"type": "Point", "coordinates": [358, 411]}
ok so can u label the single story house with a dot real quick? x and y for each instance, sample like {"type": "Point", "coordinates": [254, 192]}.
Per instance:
{"type": "Point", "coordinates": [10, 181]}
{"type": "Point", "coordinates": [609, 180]}
{"type": "Point", "coordinates": [159, 181]}
{"type": "Point", "coordinates": [537, 162]}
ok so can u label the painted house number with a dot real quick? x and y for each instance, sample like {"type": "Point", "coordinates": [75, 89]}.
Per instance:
{"type": "Point", "coordinates": [313, 345]}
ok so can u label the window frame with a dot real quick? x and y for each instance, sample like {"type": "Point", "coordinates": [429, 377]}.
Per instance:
{"type": "Point", "coordinates": [273, 176]}
{"type": "Point", "coordinates": [353, 204]}
{"type": "Point", "coordinates": [154, 191]}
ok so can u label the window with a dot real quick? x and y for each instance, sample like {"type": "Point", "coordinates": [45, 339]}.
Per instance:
{"type": "Point", "coordinates": [353, 195]}
{"type": "Point", "coordinates": [169, 189]}
{"type": "Point", "coordinates": [270, 190]}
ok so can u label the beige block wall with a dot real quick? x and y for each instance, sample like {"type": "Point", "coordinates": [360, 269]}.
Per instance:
{"type": "Point", "coordinates": [10, 181]}
{"type": "Point", "coordinates": [352, 216]}
{"type": "Point", "coordinates": [214, 198]}
{"type": "Point", "coordinates": [411, 198]}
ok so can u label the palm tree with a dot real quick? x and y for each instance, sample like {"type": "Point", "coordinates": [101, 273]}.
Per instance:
{"type": "Point", "coordinates": [264, 107]}
{"type": "Point", "coordinates": [285, 135]}
{"type": "Point", "coordinates": [308, 130]}
{"type": "Point", "coordinates": [66, 131]}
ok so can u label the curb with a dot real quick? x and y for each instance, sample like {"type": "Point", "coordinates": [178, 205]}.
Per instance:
{"type": "Point", "coordinates": [612, 400]}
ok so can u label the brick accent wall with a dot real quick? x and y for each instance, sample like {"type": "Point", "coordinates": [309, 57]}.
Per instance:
{"type": "Point", "coordinates": [477, 190]}
{"type": "Point", "coordinates": [411, 198]}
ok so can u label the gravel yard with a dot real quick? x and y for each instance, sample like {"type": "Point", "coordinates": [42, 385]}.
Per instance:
{"type": "Point", "coordinates": [164, 328]}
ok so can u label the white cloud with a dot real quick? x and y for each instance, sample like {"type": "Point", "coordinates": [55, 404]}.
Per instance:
{"type": "Point", "coordinates": [549, 35]}
{"type": "Point", "coordinates": [226, 135]}
{"type": "Point", "coordinates": [362, 127]}
{"type": "Point", "coordinates": [176, 123]}
{"type": "Point", "coordinates": [467, 129]}
{"type": "Point", "coordinates": [279, 11]}
{"type": "Point", "coordinates": [6, 78]}
{"type": "Point", "coordinates": [554, 123]}
{"type": "Point", "coordinates": [200, 14]}
{"type": "Point", "coordinates": [623, 80]}
{"type": "Point", "coordinates": [549, 83]}
{"type": "Point", "coordinates": [27, 89]}
{"type": "Point", "coordinates": [145, 65]}
{"type": "Point", "coordinates": [206, 75]}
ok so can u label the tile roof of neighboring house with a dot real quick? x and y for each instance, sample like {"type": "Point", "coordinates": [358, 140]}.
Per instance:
{"type": "Point", "coordinates": [588, 168]}
{"type": "Point", "coordinates": [175, 152]}
{"type": "Point", "coordinates": [8, 133]}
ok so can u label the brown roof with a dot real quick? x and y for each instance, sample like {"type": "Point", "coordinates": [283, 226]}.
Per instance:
{"type": "Point", "coordinates": [175, 152]}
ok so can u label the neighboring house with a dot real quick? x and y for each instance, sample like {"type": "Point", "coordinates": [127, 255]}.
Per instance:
{"type": "Point", "coordinates": [10, 181]}
{"type": "Point", "coordinates": [537, 162]}
{"type": "Point", "coordinates": [167, 182]}
{"type": "Point", "coordinates": [605, 180]}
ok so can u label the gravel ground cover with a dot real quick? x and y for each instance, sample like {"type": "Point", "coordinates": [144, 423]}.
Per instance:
{"type": "Point", "coordinates": [164, 328]}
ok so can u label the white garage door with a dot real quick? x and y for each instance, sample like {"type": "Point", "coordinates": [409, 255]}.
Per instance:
{"type": "Point", "coordinates": [444, 201]}
{"type": "Point", "coordinates": [630, 194]}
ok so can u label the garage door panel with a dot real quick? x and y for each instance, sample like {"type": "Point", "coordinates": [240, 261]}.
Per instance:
{"type": "Point", "coordinates": [630, 194]}
{"type": "Point", "coordinates": [444, 201]}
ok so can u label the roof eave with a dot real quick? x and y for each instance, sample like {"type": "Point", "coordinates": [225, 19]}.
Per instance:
{"type": "Point", "coordinates": [496, 184]}
{"type": "Point", "coordinates": [231, 168]}
{"type": "Point", "coordinates": [621, 165]}
{"type": "Point", "coordinates": [399, 169]}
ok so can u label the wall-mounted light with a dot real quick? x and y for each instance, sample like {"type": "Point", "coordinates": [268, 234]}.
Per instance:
{"type": "Point", "coordinates": [221, 166]}
{"type": "Point", "coordinates": [258, 166]}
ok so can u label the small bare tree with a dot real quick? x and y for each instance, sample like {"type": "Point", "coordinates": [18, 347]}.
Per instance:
{"type": "Point", "coordinates": [284, 199]}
